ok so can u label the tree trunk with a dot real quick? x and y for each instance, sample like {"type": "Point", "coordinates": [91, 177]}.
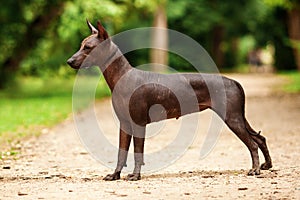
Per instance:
{"type": "Point", "coordinates": [160, 40]}
{"type": "Point", "coordinates": [294, 32]}
{"type": "Point", "coordinates": [217, 52]}
{"type": "Point", "coordinates": [231, 54]}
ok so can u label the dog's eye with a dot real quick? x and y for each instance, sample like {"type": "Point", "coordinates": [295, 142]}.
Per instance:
{"type": "Point", "coordinates": [87, 47]}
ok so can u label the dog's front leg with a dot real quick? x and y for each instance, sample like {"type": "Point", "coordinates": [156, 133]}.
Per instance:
{"type": "Point", "coordinates": [139, 140]}
{"type": "Point", "coordinates": [124, 143]}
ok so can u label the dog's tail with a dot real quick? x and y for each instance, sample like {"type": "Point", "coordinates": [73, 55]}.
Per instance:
{"type": "Point", "coordinates": [250, 129]}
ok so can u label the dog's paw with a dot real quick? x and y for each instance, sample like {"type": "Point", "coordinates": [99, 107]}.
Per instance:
{"type": "Point", "coordinates": [253, 172]}
{"type": "Point", "coordinates": [112, 177]}
{"type": "Point", "coordinates": [266, 166]}
{"type": "Point", "coordinates": [133, 177]}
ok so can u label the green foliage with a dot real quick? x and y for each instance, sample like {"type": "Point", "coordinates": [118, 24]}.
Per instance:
{"type": "Point", "coordinates": [280, 3]}
{"type": "Point", "coordinates": [25, 23]}
{"type": "Point", "coordinates": [64, 36]}
{"type": "Point", "coordinates": [216, 25]}
{"type": "Point", "coordinates": [15, 17]}
{"type": "Point", "coordinates": [180, 64]}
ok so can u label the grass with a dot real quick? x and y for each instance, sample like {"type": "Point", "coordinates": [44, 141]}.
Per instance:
{"type": "Point", "coordinates": [293, 85]}
{"type": "Point", "coordinates": [33, 104]}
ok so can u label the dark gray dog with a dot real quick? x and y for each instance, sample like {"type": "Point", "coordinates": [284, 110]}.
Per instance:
{"type": "Point", "coordinates": [134, 92]}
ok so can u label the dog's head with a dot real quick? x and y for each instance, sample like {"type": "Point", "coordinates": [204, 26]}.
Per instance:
{"type": "Point", "coordinates": [98, 35]}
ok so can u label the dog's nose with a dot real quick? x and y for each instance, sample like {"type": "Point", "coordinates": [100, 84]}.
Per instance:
{"type": "Point", "coordinates": [70, 61]}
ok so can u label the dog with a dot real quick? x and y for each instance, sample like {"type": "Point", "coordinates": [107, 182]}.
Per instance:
{"type": "Point", "coordinates": [134, 92]}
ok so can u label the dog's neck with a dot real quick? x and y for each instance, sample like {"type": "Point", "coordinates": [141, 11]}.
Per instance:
{"type": "Point", "coordinates": [115, 67]}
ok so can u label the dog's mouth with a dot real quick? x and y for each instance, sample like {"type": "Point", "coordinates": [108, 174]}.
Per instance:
{"type": "Point", "coordinates": [75, 67]}
{"type": "Point", "coordinates": [72, 63]}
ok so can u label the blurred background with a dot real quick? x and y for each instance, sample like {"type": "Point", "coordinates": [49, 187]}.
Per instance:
{"type": "Point", "coordinates": [38, 36]}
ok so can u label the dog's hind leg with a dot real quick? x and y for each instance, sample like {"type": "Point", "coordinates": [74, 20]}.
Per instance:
{"type": "Point", "coordinates": [236, 123]}
{"type": "Point", "coordinates": [124, 143]}
{"type": "Point", "coordinates": [261, 141]}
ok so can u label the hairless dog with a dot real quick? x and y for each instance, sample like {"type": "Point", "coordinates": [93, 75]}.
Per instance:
{"type": "Point", "coordinates": [134, 92]}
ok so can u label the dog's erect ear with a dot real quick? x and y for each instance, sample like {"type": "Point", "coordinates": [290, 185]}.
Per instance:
{"type": "Point", "coordinates": [92, 28]}
{"type": "Point", "coordinates": [102, 34]}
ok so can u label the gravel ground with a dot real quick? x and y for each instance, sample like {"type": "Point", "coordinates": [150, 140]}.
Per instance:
{"type": "Point", "coordinates": [57, 166]}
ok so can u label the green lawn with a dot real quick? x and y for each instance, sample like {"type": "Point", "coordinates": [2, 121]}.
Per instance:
{"type": "Point", "coordinates": [33, 104]}
{"type": "Point", "coordinates": [293, 85]}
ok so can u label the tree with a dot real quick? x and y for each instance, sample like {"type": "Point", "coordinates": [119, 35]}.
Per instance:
{"type": "Point", "coordinates": [31, 21]}
{"type": "Point", "coordinates": [287, 45]}
{"type": "Point", "coordinates": [159, 38]}
{"type": "Point", "coordinates": [294, 30]}
{"type": "Point", "coordinates": [36, 34]}
{"type": "Point", "coordinates": [216, 24]}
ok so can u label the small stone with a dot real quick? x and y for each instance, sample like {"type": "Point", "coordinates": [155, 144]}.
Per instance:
{"type": "Point", "coordinates": [109, 191]}
{"type": "Point", "coordinates": [262, 176]}
{"type": "Point", "coordinates": [22, 194]}
{"type": "Point", "coordinates": [146, 192]}
{"type": "Point", "coordinates": [187, 193]}
{"type": "Point", "coordinates": [208, 176]}
{"type": "Point", "coordinates": [86, 179]}
{"type": "Point", "coordinates": [59, 176]}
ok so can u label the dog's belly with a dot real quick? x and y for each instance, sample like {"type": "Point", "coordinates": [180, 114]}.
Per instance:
{"type": "Point", "coordinates": [152, 103]}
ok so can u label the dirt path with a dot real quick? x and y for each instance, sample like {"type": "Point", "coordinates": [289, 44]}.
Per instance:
{"type": "Point", "coordinates": [57, 166]}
